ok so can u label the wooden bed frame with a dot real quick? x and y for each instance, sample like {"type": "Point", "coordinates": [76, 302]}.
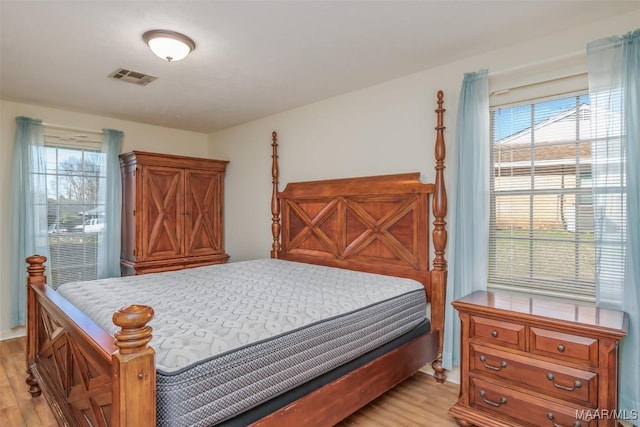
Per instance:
{"type": "Point", "coordinates": [377, 224]}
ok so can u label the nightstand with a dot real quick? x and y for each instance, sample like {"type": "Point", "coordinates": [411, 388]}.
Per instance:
{"type": "Point", "coordinates": [534, 361]}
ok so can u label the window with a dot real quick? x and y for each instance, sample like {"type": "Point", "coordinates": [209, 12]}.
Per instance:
{"type": "Point", "coordinates": [541, 236]}
{"type": "Point", "coordinates": [74, 215]}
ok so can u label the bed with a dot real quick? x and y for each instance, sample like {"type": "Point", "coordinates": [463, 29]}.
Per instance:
{"type": "Point", "coordinates": [109, 369]}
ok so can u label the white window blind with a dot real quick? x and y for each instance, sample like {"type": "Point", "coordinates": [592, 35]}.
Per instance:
{"type": "Point", "coordinates": [75, 217]}
{"type": "Point", "coordinates": [610, 193]}
{"type": "Point", "coordinates": [541, 222]}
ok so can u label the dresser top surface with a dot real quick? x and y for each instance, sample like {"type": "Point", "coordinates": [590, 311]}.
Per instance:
{"type": "Point", "coordinates": [548, 308]}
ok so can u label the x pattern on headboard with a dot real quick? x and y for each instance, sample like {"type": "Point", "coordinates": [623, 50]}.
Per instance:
{"type": "Point", "coordinates": [371, 223]}
{"type": "Point", "coordinates": [363, 229]}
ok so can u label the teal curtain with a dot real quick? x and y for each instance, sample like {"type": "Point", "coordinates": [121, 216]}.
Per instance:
{"type": "Point", "coordinates": [614, 90]}
{"type": "Point", "coordinates": [469, 214]}
{"type": "Point", "coordinates": [28, 209]}
{"type": "Point", "coordinates": [110, 194]}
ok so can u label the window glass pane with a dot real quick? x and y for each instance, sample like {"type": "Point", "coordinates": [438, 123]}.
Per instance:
{"type": "Point", "coordinates": [92, 163]}
{"type": "Point", "coordinates": [69, 161]}
{"type": "Point", "coordinates": [511, 212]}
{"type": "Point", "coordinates": [584, 120]}
{"type": "Point", "coordinates": [90, 190]}
{"type": "Point", "coordinates": [51, 159]}
{"type": "Point", "coordinates": [511, 121]}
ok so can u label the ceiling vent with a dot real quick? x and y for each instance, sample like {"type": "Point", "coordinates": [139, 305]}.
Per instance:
{"type": "Point", "coordinates": [132, 77]}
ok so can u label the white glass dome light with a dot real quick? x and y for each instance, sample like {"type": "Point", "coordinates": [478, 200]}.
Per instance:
{"type": "Point", "coordinates": [169, 45]}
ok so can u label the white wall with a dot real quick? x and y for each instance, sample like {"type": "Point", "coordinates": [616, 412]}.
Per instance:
{"type": "Point", "coordinates": [136, 137]}
{"type": "Point", "coordinates": [388, 128]}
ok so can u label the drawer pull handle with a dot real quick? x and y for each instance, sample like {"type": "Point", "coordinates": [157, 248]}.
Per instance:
{"type": "Point", "coordinates": [561, 348]}
{"type": "Point", "coordinates": [494, 334]}
{"type": "Point", "coordinates": [576, 384]}
{"type": "Point", "coordinates": [503, 364]}
{"type": "Point", "coordinates": [551, 418]}
{"type": "Point", "coordinates": [503, 400]}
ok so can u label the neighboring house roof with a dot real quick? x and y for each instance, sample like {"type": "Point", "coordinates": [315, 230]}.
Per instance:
{"type": "Point", "coordinates": [561, 126]}
{"type": "Point", "coordinates": [515, 150]}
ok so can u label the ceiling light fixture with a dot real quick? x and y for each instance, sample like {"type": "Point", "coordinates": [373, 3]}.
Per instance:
{"type": "Point", "coordinates": [169, 45]}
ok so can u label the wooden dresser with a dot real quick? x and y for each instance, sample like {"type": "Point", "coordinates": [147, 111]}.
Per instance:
{"type": "Point", "coordinates": [533, 361]}
{"type": "Point", "coordinates": [172, 212]}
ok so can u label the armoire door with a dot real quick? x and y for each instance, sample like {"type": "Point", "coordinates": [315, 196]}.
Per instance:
{"type": "Point", "coordinates": [203, 220]}
{"type": "Point", "coordinates": [163, 212]}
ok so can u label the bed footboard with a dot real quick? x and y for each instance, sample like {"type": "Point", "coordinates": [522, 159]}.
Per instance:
{"type": "Point", "coordinates": [87, 376]}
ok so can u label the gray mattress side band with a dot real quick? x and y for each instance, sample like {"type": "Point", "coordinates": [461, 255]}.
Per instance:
{"type": "Point", "coordinates": [223, 387]}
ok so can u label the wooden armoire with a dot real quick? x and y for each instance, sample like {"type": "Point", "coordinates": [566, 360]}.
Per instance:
{"type": "Point", "coordinates": [172, 212]}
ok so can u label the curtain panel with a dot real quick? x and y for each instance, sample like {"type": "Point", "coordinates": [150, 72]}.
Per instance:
{"type": "Point", "coordinates": [28, 209]}
{"type": "Point", "coordinates": [614, 90]}
{"type": "Point", "coordinates": [110, 194]}
{"type": "Point", "coordinates": [29, 222]}
{"type": "Point", "coordinates": [468, 246]}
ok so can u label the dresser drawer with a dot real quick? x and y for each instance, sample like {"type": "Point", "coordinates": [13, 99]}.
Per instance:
{"type": "Point", "coordinates": [569, 384]}
{"type": "Point", "coordinates": [561, 346]}
{"type": "Point", "coordinates": [497, 332]}
{"type": "Point", "coordinates": [528, 410]}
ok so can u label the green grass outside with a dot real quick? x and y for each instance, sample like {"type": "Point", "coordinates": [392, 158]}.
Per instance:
{"type": "Point", "coordinates": [553, 257]}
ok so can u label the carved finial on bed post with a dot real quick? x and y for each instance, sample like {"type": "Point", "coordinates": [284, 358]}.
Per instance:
{"type": "Point", "coordinates": [439, 278]}
{"type": "Point", "coordinates": [134, 334]}
{"type": "Point", "coordinates": [275, 203]}
{"type": "Point", "coordinates": [36, 277]}
{"type": "Point", "coordinates": [133, 369]}
{"type": "Point", "coordinates": [36, 270]}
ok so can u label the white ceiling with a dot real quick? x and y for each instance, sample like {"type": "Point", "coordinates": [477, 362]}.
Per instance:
{"type": "Point", "coordinates": [253, 58]}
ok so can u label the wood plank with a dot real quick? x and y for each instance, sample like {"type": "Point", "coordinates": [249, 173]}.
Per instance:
{"type": "Point", "coordinates": [12, 416]}
{"type": "Point", "coordinates": [428, 402]}
{"type": "Point", "coordinates": [17, 407]}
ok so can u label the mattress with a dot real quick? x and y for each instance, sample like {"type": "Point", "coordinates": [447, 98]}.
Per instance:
{"type": "Point", "coordinates": [230, 337]}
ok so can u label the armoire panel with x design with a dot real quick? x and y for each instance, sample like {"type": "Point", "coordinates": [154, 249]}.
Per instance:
{"type": "Point", "coordinates": [173, 212]}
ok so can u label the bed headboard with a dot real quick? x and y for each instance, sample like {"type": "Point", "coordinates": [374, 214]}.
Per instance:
{"type": "Point", "coordinates": [368, 223]}
{"type": "Point", "coordinates": [378, 224]}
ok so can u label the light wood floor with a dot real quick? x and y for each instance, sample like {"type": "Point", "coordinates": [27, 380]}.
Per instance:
{"type": "Point", "coordinates": [419, 401]}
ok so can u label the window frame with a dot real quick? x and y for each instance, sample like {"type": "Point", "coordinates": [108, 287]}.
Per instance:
{"type": "Point", "coordinates": [83, 143]}
{"type": "Point", "coordinates": [582, 290]}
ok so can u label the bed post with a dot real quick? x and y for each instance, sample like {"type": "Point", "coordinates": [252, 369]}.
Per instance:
{"type": "Point", "coordinates": [275, 203]}
{"type": "Point", "coordinates": [35, 277]}
{"type": "Point", "coordinates": [439, 273]}
{"type": "Point", "coordinates": [133, 369]}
